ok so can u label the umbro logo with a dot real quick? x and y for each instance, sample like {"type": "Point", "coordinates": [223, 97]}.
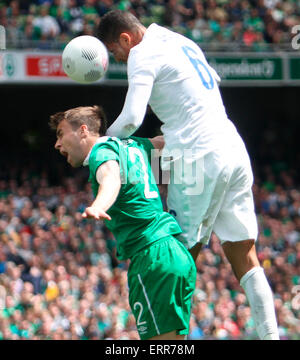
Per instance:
{"type": "Point", "coordinates": [142, 329]}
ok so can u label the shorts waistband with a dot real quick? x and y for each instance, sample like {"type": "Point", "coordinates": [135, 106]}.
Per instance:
{"type": "Point", "coordinates": [160, 241]}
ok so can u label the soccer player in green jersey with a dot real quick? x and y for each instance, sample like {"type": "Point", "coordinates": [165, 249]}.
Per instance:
{"type": "Point", "coordinates": [162, 273]}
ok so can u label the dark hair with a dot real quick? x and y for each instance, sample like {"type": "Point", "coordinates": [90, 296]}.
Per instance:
{"type": "Point", "coordinates": [92, 116]}
{"type": "Point", "coordinates": [113, 23]}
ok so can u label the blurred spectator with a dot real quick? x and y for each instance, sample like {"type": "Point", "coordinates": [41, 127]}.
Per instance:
{"type": "Point", "coordinates": [74, 17]}
{"type": "Point", "coordinates": [249, 36]}
{"type": "Point", "coordinates": [103, 6]}
{"type": "Point", "coordinates": [47, 24]}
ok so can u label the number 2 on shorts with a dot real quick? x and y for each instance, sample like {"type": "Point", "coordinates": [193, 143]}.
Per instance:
{"type": "Point", "coordinates": [138, 321]}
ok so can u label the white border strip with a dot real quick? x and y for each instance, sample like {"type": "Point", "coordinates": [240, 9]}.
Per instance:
{"type": "Point", "coordinates": [148, 302]}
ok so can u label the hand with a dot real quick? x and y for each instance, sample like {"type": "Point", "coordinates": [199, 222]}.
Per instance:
{"type": "Point", "coordinates": [94, 213]}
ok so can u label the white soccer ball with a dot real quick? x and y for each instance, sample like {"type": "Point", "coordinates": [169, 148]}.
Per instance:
{"type": "Point", "coordinates": [85, 59]}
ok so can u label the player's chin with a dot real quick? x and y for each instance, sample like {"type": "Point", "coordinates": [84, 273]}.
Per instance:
{"type": "Point", "coordinates": [74, 163]}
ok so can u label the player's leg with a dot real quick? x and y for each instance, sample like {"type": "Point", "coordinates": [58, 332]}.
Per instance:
{"type": "Point", "coordinates": [241, 255]}
{"type": "Point", "coordinates": [245, 264]}
{"type": "Point", "coordinates": [236, 227]}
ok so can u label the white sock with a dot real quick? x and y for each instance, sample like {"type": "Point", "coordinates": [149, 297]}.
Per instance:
{"type": "Point", "coordinates": [261, 302]}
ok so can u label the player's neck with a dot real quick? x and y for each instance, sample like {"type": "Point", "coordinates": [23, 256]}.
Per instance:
{"type": "Point", "coordinates": [90, 142]}
{"type": "Point", "coordinates": [138, 36]}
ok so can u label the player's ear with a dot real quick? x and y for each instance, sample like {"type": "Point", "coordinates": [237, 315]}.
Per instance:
{"type": "Point", "coordinates": [83, 130]}
{"type": "Point", "coordinates": [125, 40]}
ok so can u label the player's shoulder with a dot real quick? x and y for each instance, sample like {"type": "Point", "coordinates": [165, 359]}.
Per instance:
{"type": "Point", "coordinates": [140, 142]}
{"type": "Point", "coordinates": [106, 148]}
{"type": "Point", "coordinates": [140, 54]}
{"type": "Point", "coordinates": [105, 142]}
{"type": "Point", "coordinates": [116, 144]}
{"type": "Point", "coordinates": [149, 43]}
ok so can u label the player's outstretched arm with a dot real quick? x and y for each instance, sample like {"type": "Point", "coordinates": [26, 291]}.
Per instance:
{"type": "Point", "coordinates": [108, 177]}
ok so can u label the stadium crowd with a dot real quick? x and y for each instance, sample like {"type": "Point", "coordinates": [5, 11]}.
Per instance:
{"type": "Point", "coordinates": [256, 25]}
{"type": "Point", "coordinates": [60, 278]}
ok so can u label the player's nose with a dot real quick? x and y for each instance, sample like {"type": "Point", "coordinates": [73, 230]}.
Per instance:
{"type": "Point", "coordinates": [57, 145]}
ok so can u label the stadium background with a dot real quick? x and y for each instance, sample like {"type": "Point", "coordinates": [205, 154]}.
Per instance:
{"type": "Point", "coordinates": [59, 277]}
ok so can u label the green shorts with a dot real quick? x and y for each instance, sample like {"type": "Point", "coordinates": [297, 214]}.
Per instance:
{"type": "Point", "coordinates": [161, 281]}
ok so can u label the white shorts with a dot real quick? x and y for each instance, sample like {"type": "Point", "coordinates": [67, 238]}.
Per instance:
{"type": "Point", "coordinates": [224, 203]}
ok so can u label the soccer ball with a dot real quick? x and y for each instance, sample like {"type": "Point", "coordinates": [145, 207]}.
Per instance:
{"type": "Point", "coordinates": [85, 59]}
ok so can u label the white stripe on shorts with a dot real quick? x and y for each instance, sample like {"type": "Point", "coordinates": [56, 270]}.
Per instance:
{"type": "Point", "coordinates": [148, 302]}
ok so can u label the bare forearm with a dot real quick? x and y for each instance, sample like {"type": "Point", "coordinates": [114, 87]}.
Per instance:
{"type": "Point", "coordinates": [107, 194]}
{"type": "Point", "coordinates": [108, 178]}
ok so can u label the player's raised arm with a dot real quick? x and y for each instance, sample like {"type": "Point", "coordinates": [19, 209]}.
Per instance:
{"type": "Point", "coordinates": [134, 108]}
{"type": "Point", "coordinates": [122, 37]}
{"type": "Point", "coordinates": [108, 177]}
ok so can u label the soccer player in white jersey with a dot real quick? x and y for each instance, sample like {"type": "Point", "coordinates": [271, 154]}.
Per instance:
{"type": "Point", "coordinates": [170, 73]}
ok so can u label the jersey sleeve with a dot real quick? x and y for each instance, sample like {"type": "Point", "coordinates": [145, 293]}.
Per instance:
{"type": "Point", "coordinates": [142, 67]}
{"type": "Point", "coordinates": [102, 154]}
{"type": "Point", "coordinates": [141, 76]}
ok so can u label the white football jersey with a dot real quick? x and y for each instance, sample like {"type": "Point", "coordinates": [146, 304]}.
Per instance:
{"type": "Point", "coordinates": [170, 72]}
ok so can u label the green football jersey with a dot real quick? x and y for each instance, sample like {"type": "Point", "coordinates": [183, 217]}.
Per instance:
{"type": "Point", "coordinates": [137, 216]}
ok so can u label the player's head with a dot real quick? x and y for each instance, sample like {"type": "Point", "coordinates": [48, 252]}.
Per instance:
{"type": "Point", "coordinates": [120, 31]}
{"type": "Point", "coordinates": [76, 131]}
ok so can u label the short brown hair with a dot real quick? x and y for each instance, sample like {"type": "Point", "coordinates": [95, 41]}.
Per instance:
{"type": "Point", "coordinates": [92, 116]}
{"type": "Point", "coordinates": [114, 22]}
